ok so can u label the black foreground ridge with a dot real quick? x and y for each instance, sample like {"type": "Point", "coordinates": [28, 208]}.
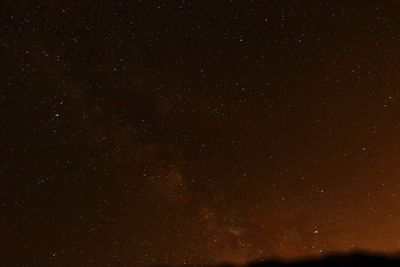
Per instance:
{"type": "Point", "coordinates": [336, 260]}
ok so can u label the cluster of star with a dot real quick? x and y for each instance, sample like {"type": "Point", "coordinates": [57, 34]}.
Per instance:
{"type": "Point", "coordinates": [137, 133]}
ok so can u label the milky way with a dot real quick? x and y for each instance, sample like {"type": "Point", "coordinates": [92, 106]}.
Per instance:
{"type": "Point", "coordinates": [143, 132]}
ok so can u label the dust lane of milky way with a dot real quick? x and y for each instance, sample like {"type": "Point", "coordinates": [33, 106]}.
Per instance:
{"type": "Point", "coordinates": [146, 132]}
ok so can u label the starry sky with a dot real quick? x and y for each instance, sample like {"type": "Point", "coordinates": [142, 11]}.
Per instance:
{"type": "Point", "coordinates": [142, 132]}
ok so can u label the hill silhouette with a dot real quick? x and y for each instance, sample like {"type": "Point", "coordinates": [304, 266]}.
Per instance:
{"type": "Point", "coordinates": [355, 259]}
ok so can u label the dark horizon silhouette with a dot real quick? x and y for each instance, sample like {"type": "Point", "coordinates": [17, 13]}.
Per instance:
{"type": "Point", "coordinates": [355, 258]}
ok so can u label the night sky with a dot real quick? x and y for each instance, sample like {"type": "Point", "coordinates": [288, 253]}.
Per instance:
{"type": "Point", "coordinates": [143, 132]}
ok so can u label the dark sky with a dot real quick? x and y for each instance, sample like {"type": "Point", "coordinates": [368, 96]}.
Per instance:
{"type": "Point", "coordinates": [141, 132]}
